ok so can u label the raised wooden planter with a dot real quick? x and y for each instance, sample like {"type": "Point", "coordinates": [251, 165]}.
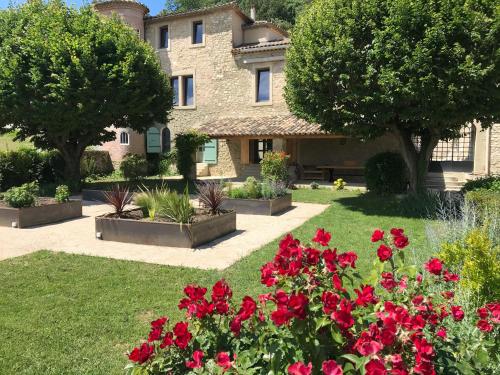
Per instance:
{"type": "Point", "coordinates": [258, 206]}
{"type": "Point", "coordinates": [98, 195]}
{"type": "Point", "coordinates": [39, 215]}
{"type": "Point", "coordinates": [164, 233]}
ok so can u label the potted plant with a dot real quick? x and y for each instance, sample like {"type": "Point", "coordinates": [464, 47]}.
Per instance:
{"type": "Point", "coordinates": [166, 218]}
{"type": "Point", "coordinates": [21, 207]}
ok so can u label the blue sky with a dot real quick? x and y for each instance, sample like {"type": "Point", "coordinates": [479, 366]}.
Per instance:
{"type": "Point", "coordinates": [154, 5]}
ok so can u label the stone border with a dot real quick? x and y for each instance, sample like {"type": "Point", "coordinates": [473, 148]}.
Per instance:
{"type": "Point", "coordinates": [258, 206]}
{"type": "Point", "coordinates": [163, 233]}
{"type": "Point", "coordinates": [40, 215]}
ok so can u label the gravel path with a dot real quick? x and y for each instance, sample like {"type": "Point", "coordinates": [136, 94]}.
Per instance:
{"type": "Point", "coordinates": [78, 237]}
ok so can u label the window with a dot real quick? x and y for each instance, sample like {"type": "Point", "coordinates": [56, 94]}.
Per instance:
{"type": "Point", "coordinates": [263, 85]}
{"type": "Point", "coordinates": [258, 147]}
{"type": "Point", "coordinates": [164, 37]}
{"type": "Point", "coordinates": [188, 90]}
{"type": "Point", "coordinates": [174, 82]}
{"type": "Point", "coordinates": [197, 32]}
{"type": "Point", "coordinates": [124, 139]}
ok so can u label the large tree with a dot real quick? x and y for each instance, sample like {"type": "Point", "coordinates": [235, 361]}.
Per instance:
{"type": "Point", "coordinates": [67, 75]}
{"type": "Point", "coordinates": [282, 12]}
{"type": "Point", "coordinates": [418, 69]}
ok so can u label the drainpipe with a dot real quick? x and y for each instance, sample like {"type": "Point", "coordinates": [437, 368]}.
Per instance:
{"type": "Point", "coordinates": [488, 150]}
{"type": "Point", "coordinates": [253, 12]}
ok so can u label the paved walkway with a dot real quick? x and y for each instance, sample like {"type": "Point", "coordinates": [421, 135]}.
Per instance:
{"type": "Point", "coordinates": [78, 237]}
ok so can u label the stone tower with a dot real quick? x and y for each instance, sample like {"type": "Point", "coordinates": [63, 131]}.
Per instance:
{"type": "Point", "coordinates": [131, 11]}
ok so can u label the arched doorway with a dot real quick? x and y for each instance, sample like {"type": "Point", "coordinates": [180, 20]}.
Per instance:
{"type": "Point", "coordinates": [165, 140]}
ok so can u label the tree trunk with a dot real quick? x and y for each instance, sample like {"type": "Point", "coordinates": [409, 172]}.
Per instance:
{"type": "Point", "coordinates": [417, 160]}
{"type": "Point", "coordinates": [72, 155]}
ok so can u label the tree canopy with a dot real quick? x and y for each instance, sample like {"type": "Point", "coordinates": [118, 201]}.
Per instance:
{"type": "Point", "coordinates": [67, 75]}
{"type": "Point", "coordinates": [419, 68]}
{"type": "Point", "coordinates": [282, 12]}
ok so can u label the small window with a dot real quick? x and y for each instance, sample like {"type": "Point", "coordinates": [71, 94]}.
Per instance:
{"type": "Point", "coordinates": [188, 90]}
{"type": "Point", "coordinates": [124, 139]}
{"type": "Point", "coordinates": [164, 37]}
{"type": "Point", "coordinates": [258, 147]}
{"type": "Point", "coordinates": [263, 85]}
{"type": "Point", "coordinates": [198, 32]}
{"type": "Point", "coordinates": [175, 88]}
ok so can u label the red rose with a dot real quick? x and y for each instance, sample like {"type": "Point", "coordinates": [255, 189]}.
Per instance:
{"type": "Point", "coordinates": [196, 362]}
{"type": "Point", "coordinates": [397, 232]}
{"type": "Point", "coordinates": [267, 274]}
{"type": "Point", "coordinates": [375, 367]}
{"type": "Point", "coordinates": [484, 326]}
{"type": "Point", "coordinates": [312, 256]}
{"type": "Point", "coordinates": [457, 313]}
{"type": "Point", "coordinates": [141, 354]}
{"type": "Point", "coordinates": [365, 295]}
{"type": "Point", "coordinates": [343, 316]}
{"type": "Point", "coordinates": [182, 335]}
{"type": "Point", "coordinates": [223, 360]}
{"type": "Point", "coordinates": [330, 301]}
{"type": "Point", "coordinates": [235, 325]}
{"type": "Point", "coordinates": [322, 237]}
{"type": "Point", "coordinates": [401, 242]}
{"type": "Point", "coordinates": [384, 253]}
{"type": "Point", "coordinates": [441, 333]}
{"type": "Point", "coordinates": [377, 235]}
{"type": "Point", "coordinates": [195, 292]}
{"type": "Point", "coordinates": [221, 291]}
{"type": "Point", "coordinates": [366, 346]}
{"type": "Point", "coordinates": [450, 277]}
{"type": "Point", "coordinates": [297, 304]}
{"type": "Point", "coordinates": [482, 312]}
{"type": "Point", "coordinates": [159, 323]}
{"type": "Point", "coordinates": [280, 316]}
{"type": "Point", "coordinates": [248, 307]}
{"type": "Point", "coordinates": [347, 259]}
{"type": "Point", "coordinates": [388, 281]}
{"type": "Point", "coordinates": [168, 340]}
{"type": "Point", "coordinates": [434, 266]}
{"type": "Point", "coordinates": [331, 367]}
{"type": "Point", "coordinates": [155, 334]}
{"type": "Point", "coordinates": [300, 368]}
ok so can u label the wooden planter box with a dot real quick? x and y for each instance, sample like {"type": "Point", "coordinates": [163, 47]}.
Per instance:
{"type": "Point", "coordinates": [258, 206]}
{"type": "Point", "coordinates": [163, 233]}
{"type": "Point", "coordinates": [46, 214]}
{"type": "Point", "coordinates": [98, 195]}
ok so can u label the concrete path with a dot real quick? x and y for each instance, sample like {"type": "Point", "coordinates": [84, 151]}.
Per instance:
{"type": "Point", "coordinates": [78, 237]}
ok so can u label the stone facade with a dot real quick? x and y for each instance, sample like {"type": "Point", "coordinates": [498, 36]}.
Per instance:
{"type": "Point", "coordinates": [494, 148]}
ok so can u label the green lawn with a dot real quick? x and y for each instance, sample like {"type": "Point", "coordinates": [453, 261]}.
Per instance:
{"type": "Point", "coordinates": [69, 314]}
{"type": "Point", "coordinates": [7, 143]}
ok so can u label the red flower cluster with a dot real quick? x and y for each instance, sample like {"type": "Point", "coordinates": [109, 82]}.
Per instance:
{"type": "Point", "coordinates": [141, 354]}
{"type": "Point", "coordinates": [399, 240]}
{"type": "Point", "coordinates": [248, 307]}
{"type": "Point", "coordinates": [288, 307]}
{"type": "Point", "coordinates": [489, 315]}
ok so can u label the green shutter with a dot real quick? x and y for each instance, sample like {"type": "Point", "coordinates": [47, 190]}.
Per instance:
{"type": "Point", "coordinates": [210, 152]}
{"type": "Point", "coordinates": [153, 141]}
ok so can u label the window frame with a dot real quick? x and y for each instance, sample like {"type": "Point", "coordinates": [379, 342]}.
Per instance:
{"type": "Point", "coordinates": [256, 75]}
{"type": "Point", "coordinates": [185, 91]}
{"type": "Point", "coordinates": [172, 79]}
{"type": "Point", "coordinates": [121, 134]}
{"type": "Point", "coordinates": [193, 33]}
{"type": "Point", "coordinates": [160, 32]}
{"type": "Point", "coordinates": [182, 79]}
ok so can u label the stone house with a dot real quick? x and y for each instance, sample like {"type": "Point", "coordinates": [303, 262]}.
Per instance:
{"type": "Point", "coordinates": [227, 71]}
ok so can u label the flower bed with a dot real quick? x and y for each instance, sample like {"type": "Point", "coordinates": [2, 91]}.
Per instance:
{"type": "Point", "coordinates": [46, 211]}
{"type": "Point", "coordinates": [258, 206]}
{"type": "Point", "coordinates": [321, 317]}
{"type": "Point", "coordinates": [136, 229]}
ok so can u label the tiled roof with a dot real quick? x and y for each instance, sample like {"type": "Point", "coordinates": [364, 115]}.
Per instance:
{"type": "Point", "coordinates": [264, 46]}
{"type": "Point", "coordinates": [281, 125]}
{"type": "Point", "coordinates": [271, 25]}
{"type": "Point", "coordinates": [104, 3]}
{"type": "Point", "coordinates": [175, 14]}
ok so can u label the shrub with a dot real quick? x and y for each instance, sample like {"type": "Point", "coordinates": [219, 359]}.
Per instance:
{"type": "Point", "coordinates": [26, 165]}
{"type": "Point", "coordinates": [339, 184]}
{"type": "Point", "coordinates": [96, 163]}
{"type": "Point", "coordinates": [177, 207]}
{"type": "Point", "coordinates": [386, 173]}
{"type": "Point", "coordinates": [238, 193]}
{"type": "Point", "coordinates": [118, 198]}
{"type": "Point", "coordinates": [62, 194]}
{"type": "Point", "coordinates": [491, 183]}
{"type": "Point", "coordinates": [186, 145]}
{"type": "Point", "coordinates": [274, 166]}
{"type": "Point", "coordinates": [320, 317]}
{"type": "Point", "coordinates": [478, 261]}
{"type": "Point", "coordinates": [211, 195]}
{"type": "Point", "coordinates": [252, 188]}
{"type": "Point", "coordinates": [486, 202]}
{"type": "Point", "coordinates": [134, 167]}
{"type": "Point", "coordinates": [149, 200]}
{"type": "Point", "coordinates": [22, 196]}
{"type": "Point", "coordinates": [267, 190]}
{"type": "Point", "coordinates": [167, 163]}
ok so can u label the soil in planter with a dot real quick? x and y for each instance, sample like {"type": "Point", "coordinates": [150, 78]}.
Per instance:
{"type": "Point", "coordinates": [137, 214]}
{"type": "Point", "coordinates": [41, 201]}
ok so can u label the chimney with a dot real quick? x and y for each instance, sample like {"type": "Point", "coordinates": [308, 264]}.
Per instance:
{"type": "Point", "coordinates": [253, 12]}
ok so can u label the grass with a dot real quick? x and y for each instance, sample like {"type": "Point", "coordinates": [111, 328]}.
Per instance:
{"type": "Point", "coordinates": [7, 143]}
{"type": "Point", "coordinates": [70, 314]}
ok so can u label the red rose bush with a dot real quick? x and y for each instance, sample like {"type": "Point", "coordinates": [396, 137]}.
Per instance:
{"type": "Point", "coordinates": [319, 317]}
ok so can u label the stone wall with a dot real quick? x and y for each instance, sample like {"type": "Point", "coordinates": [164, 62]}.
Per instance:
{"type": "Point", "coordinates": [495, 149]}
{"type": "Point", "coordinates": [224, 83]}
